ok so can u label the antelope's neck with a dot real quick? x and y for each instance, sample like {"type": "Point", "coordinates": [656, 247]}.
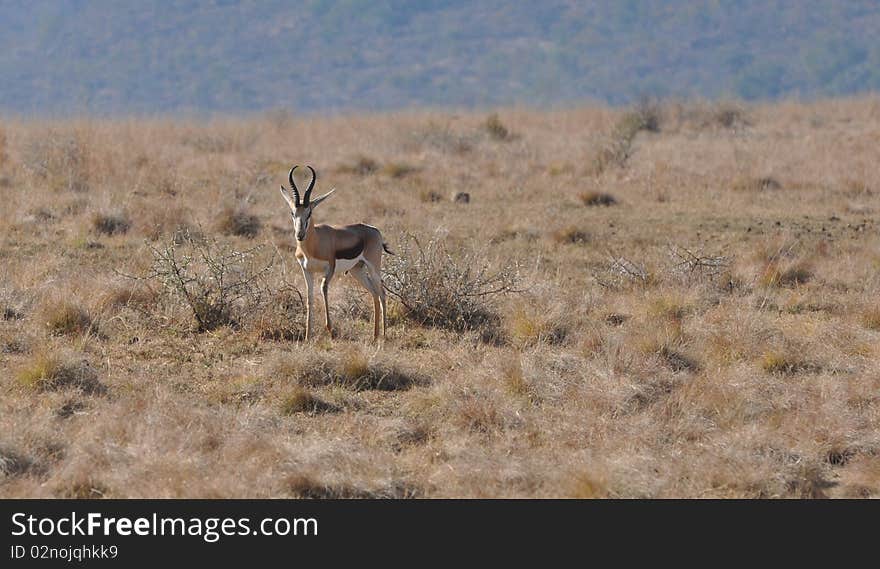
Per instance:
{"type": "Point", "coordinates": [306, 247]}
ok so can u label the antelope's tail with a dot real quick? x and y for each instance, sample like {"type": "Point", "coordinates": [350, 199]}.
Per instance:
{"type": "Point", "coordinates": [387, 250]}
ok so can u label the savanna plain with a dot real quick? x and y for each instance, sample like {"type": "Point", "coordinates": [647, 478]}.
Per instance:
{"type": "Point", "coordinates": [668, 300]}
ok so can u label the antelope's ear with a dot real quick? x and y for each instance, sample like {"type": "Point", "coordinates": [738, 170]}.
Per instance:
{"type": "Point", "coordinates": [287, 198]}
{"type": "Point", "coordinates": [316, 201]}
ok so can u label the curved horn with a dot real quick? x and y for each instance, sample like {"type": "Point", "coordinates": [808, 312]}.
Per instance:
{"type": "Point", "coordinates": [311, 184]}
{"type": "Point", "coordinates": [293, 186]}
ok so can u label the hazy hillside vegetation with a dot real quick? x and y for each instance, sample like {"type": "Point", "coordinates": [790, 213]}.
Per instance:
{"type": "Point", "coordinates": [71, 56]}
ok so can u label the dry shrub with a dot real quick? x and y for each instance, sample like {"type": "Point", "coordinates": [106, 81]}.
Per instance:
{"type": "Point", "coordinates": [430, 196]}
{"type": "Point", "coordinates": [237, 221]}
{"type": "Point", "coordinates": [571, 235]}
{"type": "Point", "coordinates": [512, 234]}
{"type": "Point", "coordinates": [281, 316]}
{"type": "Point", "coordinates": [216, 283]}
{"type": "Point", "coordinates": [448, 289]}
{"type": "Point", "coordinates": [49, 372]}
{"type": "Point", "coordinates": [496, 129]}
{"type": "Point", "coordinates": [594, 198]}
{"type": "Point", "coordinates": [360, 166]}
{"type": "Point", "coordinates": [721, 114]}
{"type": "Point", "coordinates": [621, 272]}
{"type": "Point", "coordinates": [728, 115]}
{"type": "Point", "coordinates": [65, 317]}
{"type": "Point", "coordinates": [111, 223]}
{"type": "Point", "coordinates": [618, 147]}
{"type": "Point", "coordinates": [761, 184]}
{"type": "Point", "coordinates": [399, 170]}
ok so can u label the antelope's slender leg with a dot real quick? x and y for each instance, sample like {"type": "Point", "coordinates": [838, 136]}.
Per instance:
{"type": "Point", "coordinates": [310, 290]}
{"type": "Point", "coordinates": [362, 274]}
{"type": "Point", "coordinates": [379, 296]}
{"type": "Point", "coordinates": [325, 286]}
{"type": "Point", "coordinates": [384, 306]}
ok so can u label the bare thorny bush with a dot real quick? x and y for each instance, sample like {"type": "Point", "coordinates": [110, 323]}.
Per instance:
{"type": "Point", "coordinates": [686, 265]}
{"type": "Point", "coordinates": [220, 285]}
{"type": "Point", "coordinates": [456, 290]}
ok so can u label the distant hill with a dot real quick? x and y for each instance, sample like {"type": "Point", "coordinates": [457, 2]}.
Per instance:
{"type": "Point", "coordinates": [105, 56]}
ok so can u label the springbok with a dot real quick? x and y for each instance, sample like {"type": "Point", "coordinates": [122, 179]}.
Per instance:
{"type": "Point", "coordinates": [323, 251]}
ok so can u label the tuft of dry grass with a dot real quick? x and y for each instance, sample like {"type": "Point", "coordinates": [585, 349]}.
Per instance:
{"type": "Point", "coordinates": [777, 274]}
{"type": "Point", "coordinates": [65, 317]}
{"type": "Point", "coordinates": [237, 221]}
{"type": "Point", "coordinates": [760, 184]}
{"type": "Point", "coordinates": [871, 318]}
{"type": "Point", "coordinates": [529, 324]}
{"type": "Point", "coordinates": [300, 400]}
{"type": "Point", "coordinates": [137, 295]}
{"type": "Point", "coordinates": [586, 486]}
{"type": "Point", "coordinates": [594, 198]}
{"type": "Point", "coordinates": [783, 362]}
{"type": "Point", "coordinates": [84, 488]}
{"type": "Point", "coordinates": [354, 369]}
{"type": "Point", "coordinates": [360, 166]}
{"type": "Point", "coordinates": [430, 196]}
{"type": "Point", "coordinates": [496, 129]}
{"type": "Point", "coordinates": [399, 170]}
{"type": "Point", "coordinates": [571, 235]}
{"type": "Point", "coordinates": [111, 223]}
{"type": "Point", "coordinates": [46, 371]}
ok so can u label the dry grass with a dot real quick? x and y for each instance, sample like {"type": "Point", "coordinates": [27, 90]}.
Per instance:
{"type": "Point", "coordinates": [712, 333]}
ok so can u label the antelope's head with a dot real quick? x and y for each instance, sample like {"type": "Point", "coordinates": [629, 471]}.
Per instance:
{"type": "Point", "coordinates": [301, 209]}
